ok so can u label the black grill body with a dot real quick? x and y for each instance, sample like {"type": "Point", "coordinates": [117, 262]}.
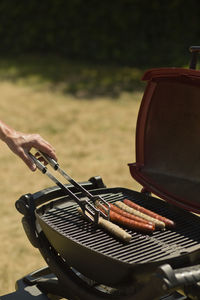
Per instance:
{"type": "Point", "coordinates": [100, 256]}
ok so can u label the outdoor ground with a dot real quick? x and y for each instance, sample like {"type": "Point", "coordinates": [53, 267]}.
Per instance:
{"type": "Point", "coordinates": [87, 112]}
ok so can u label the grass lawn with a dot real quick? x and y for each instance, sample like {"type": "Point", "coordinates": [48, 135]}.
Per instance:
{"type": "Point", "coordinates": [87, 112]}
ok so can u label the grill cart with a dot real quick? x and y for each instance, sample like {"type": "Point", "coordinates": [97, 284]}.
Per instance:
{"type": "Point", "coordinates": [84, 262]}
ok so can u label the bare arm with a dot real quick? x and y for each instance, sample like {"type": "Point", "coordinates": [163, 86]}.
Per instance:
{"type": "Point", "coordinates": [21, 143]}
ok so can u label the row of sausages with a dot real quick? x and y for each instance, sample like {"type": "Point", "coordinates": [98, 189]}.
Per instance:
{"type": "Point", "coordinates": [133, 216]}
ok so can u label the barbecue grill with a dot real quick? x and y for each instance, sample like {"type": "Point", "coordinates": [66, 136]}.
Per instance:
{"type": "Point", "coordinates": [84, 261]}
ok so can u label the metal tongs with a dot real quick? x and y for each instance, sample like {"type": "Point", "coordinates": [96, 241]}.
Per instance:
{"type": "Point", "coordinates": [88, 207]}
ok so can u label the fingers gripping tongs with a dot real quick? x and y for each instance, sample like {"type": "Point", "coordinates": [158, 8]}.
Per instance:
{"type": "Point", "coordinates": [88, 207]}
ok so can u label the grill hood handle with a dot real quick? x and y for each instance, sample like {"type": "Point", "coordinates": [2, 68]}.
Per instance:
{"type": "Point", "coordinates": [195, 51]}
{"type": "Point", "coordinates": [167, 280]}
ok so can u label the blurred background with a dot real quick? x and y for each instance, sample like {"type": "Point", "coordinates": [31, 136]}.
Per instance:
{"type": "Point", "coordinates": [71, 71]}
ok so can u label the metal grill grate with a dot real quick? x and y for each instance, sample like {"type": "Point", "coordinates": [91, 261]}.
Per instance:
{"type": "Point", "coordinates": [142, 248]}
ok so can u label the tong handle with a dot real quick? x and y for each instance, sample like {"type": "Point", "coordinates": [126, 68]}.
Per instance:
{"type": "Point", "coordinates": [38, 164]}
{"type": "Point", "coordinates": [90, 212]}
{"type": "Point", "coordinates": [54, 164]}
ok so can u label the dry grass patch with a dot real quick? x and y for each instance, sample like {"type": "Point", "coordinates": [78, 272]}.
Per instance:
{"type": "Point", "coordinates": [92, 137]}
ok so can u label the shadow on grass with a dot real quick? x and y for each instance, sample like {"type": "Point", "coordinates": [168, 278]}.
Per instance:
{"type": "Point", "coordinates": [79, 79]}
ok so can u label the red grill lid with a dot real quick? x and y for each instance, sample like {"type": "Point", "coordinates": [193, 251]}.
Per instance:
{"type": "Point", "coordinates": [168, 137]}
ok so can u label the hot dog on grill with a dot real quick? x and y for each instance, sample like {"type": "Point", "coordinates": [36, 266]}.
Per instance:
{"type": "Point", "coordinates": [158, 223]}
{"type": "Point", "coordinates": [127, 222]}
{"type": "Point", "coordinates": [115, 229]}
{"type": "Point", "coordinates": [112, 228]}
{"type": "Point", "coordinates": [138, 226]}
{"type": "Point", "coordinates": [128, 215]}
{"type": "Point", "coordinates": [150, 213]}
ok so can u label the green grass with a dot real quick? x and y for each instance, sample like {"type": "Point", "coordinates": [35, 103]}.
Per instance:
{"type": "Point", "coordinates": [75, 78]}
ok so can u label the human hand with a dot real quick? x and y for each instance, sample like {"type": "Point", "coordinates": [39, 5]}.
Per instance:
{"type": "Point", "coordinates": [21, 143]}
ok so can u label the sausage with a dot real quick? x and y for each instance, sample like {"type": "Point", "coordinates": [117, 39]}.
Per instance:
{"type": "Point", "coordinates": [124, 220]}
{"type": "Point", "coordinates": [150, 213]}
{"type": "Point", "coordinates": [121, 212]}
{"type": "Point", "coordinates": [112, 228]}
{"type": "Point", "coordinates": [138, 226]}
{"type": "Point", "coordinates": [115, 230]}
{"type": "Point", "coordinates": [158, 223]}
{"type": "Point", "coordinates": [128, 215]}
